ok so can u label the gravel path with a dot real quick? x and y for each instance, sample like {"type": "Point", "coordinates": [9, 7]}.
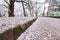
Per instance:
{"type": "Point", "coordinates": [11, 22]}
{"type": "Point", "coordinates": [43, 28]}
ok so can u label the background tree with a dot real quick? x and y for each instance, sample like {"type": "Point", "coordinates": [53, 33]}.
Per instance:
{"type": "Point", "coordinates": [11, 7]}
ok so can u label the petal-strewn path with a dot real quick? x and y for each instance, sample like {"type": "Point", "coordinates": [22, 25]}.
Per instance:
{"type": "Point", "coordinates": [43, 28]}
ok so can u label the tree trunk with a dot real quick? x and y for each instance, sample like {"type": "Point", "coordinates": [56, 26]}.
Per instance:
{"type": "Point", "coordinates": [11, 8]}
{"type": "Point", "coordinates": [23, 8]}
{"type": "Point", "coordinates": [43, 12]}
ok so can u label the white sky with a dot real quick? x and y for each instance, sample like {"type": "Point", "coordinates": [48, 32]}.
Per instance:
{"type": "Point", "coordinates": [42, 1]}
{"type": "Point", "coordinates": [1, 1]}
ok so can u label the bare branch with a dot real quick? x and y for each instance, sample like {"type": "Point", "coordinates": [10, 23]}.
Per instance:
{"type": "Point", "coordinates": [24, 2]}
{"type": "Point", "coordinates": [6, 2]}
{"type": "Point", "coordinates": [4, 5]}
